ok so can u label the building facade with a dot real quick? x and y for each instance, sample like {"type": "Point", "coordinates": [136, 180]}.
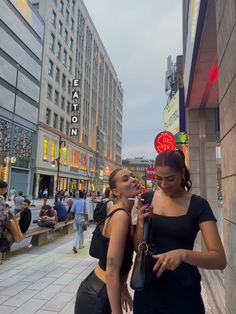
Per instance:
{"type": "Point", "coordinates": [138, 166]}
{"type": "Point", "coordinates": [21, 45]}
{"type": "Point", "coordinates": [84, 115]}
{"type": "Point", "coordinates": [209, 41]}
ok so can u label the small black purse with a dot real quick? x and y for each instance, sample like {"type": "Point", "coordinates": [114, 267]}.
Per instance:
{"type": "Point", "coordinates": [142, 273]}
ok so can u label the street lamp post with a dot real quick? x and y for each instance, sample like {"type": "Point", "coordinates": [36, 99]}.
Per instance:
{"type": "Point", "coordinates": [58, 160]}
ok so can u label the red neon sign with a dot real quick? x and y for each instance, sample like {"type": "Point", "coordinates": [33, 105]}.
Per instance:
{"type": "Point", "coordinates": [164, 141]}
{"type": "Point", "coordinates": [214, 73]}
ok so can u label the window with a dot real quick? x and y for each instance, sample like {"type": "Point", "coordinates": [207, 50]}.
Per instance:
{"type": "Point", "coordinates": [61, 124]}
{"type": "Point", "coordinates": [50, 68]}
{"type": "Point", "coordinates": [71, 43]}
{"type": "Point", "coordinates": [53, 151]}
{"type": "Point", "coordinates": [67, 128]}
{"type": "Point", "coordinates": [36, 5]}
{"type": "Point", "coordinates": [69, 87]}
{"type": "Point", "coordinates": [49, 92]}
{"type": "Point", "coordinates": [45, 148]}
{"type": "Point", "coordinates": [53, 18]}
{"type": "Point", "coordinates": [61, 6]}
{"type": "Point", "coordinates": [58, 75]}
{"type": "Point", "coordinates": [70, 64]}
{"type": "Point", "coordinates": [72, 24]}
{"type": "Point", "coordinates": [59, 50]}
{"type": "Point", "coordinates": [63, 81]}
{"type": "Point", "coordinates": [48, 116]}
{"type": "Point", "coordinates": [68, 107]}
{"type": "Point", "coordinates": [66, 36]}
{"type": "Point", "coordinates": [60, 27]}
{"type": "Point", "coordinates": [55, 120]}
{"type": "Point", "coordinates": [62, 102]}
{"type": "Point", "coordinates": [52, 42]}
{"type": "Point", "coordinates": [67, 16]}
{"type": "Point", "coordinates": [56, 98]}
{"type": "Point", "coordinates": [64, 59]}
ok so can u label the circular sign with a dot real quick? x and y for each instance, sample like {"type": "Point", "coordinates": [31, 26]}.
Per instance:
{"type": "Point", "coordinates": [181, 138]}
{"type": "Point", "coordinates": [164, 141]}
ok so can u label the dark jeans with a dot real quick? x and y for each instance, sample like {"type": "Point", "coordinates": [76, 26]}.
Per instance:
{"type": "Point", "coordinates": [92, 297]}
{"type": "Point", "coordinates": [46, 223]}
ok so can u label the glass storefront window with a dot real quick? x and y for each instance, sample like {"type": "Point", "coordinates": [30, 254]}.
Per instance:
{"type": "Point", "coordinates": [45, 148]}
{"type": "Point", "coordinates": [65, 156]}
{"type": "Point", "coordinates": [53, 151]}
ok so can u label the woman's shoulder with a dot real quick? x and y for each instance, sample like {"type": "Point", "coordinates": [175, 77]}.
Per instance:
{"type": "Point", "coordinates": [199, 200]}
{"type": "Point", "coordinates": [119, 212]}
{"type": "Point", "coordinates": [199, 204]}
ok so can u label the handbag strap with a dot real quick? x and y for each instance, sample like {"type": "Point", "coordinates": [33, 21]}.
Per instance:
{"type": "Point", "coordinates": [110, 215]}
{"type": "Point", "coordinates": [84, 207]}
{"type": "Point", "coordinates": [148, 196]}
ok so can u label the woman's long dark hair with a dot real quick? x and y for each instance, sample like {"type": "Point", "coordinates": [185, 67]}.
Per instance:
{"type": "Point", "coordinates": [175, 159]}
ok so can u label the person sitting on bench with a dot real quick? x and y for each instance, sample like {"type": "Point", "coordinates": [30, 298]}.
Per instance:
{"type": "Point", "coordinates": [47, 217]}
{"type": "Point", "coordinates": [25, 216]}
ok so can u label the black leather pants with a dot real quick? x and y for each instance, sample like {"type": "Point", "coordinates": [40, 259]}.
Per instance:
{"type": "Point", "coordinates": [92, 297]}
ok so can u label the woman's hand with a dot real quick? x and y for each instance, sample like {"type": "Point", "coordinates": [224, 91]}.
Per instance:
{"type": "Point", "coordinates": [169, 260]}
{"type": "Point", "coordinates": [126, 299]}
{"type": "Point", "coordinates": [143, 212]}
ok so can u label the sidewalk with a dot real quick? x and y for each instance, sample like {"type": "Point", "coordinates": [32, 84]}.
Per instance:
{"type": "Point", "coordinates": [45, 279]}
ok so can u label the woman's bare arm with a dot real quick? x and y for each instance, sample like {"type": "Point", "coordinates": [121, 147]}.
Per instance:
{"type": "Point", "coordinates": [118, 236]}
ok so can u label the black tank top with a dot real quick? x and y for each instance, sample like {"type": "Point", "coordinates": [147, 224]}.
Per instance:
{"type": "Point", "coordinates": [128, 252]}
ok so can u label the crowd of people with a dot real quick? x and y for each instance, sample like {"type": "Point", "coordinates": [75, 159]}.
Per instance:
{"type": "Point", "coordinates": [175, 215]}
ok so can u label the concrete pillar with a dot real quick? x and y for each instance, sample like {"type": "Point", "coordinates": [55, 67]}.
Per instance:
{"type": "Point", "coordinates": [226, 50]}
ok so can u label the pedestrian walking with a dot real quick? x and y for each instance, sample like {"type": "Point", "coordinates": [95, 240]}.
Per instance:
{"type": "Point", "coordinates": [105, 290]}
{"type": "Point", "coordinates": [80, 212]}
{"type": "Point", "coordinates": [12, 194]}
{"type": "Point", "coordinates": [18, 201]}
{"type": "Point", "coordinates": [45, 196]}
{"type": "Point", "coordinates": [177, 216]}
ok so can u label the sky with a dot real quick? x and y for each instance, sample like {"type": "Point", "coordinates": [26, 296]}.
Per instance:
{"type": "Point", "coordinates": [138, 36]}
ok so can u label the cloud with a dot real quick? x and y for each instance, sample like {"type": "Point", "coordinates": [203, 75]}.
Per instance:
{"type": "Point", "coordinates": [138, 36]}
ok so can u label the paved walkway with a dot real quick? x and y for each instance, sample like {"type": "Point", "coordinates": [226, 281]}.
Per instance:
{"type": "Point", "coordinates": [45, 279]}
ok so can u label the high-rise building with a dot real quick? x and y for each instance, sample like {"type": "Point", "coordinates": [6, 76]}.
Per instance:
{"type": "Point", "coordinates": [84, 139]}
{"type": "Point", "coordinates": [21, 45]}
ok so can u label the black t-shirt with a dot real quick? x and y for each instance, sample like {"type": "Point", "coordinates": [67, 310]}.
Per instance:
{"type": "Point", "coordinates": [179, 232]}
{"type": "Point", "coordinates": [25, 220]}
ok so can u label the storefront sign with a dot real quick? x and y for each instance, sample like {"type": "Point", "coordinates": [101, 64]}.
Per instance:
{"type": "Point", "coordinates": [171, 115]}
{"type": "Point", "coordinates": [75, 109]}
{"type": "Point", "coordinates": [164, 141]}
{"type": "Point", "coordinates": [150, 173]}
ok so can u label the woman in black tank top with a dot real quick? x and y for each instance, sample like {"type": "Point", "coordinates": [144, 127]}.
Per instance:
{"type": "Point", "coordinates": [105, 291]}
{"type": "Point", "coordinates": [176, 217]}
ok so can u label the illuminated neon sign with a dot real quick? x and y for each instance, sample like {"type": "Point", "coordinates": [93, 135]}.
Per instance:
{"type": "Point", "coordinates": [164, 141]}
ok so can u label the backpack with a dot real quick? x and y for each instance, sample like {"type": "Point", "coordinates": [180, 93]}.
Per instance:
{"type": "Point", "coordinates": [100, 211]}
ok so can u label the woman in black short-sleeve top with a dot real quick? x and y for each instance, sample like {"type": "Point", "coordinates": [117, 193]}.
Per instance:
{"type": "Point", "coordinates": [176, 217]}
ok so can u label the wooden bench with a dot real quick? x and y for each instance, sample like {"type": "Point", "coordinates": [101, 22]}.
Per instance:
{"type": "Point", "coordinates": [40, 234]}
